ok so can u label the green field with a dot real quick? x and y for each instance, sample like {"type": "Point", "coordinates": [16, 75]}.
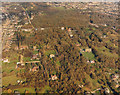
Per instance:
{"type": "Point", "coordinates": [105, 51]}
{"type": "Point", "coordinates": [9, 80]}
{"type": "Point", "coordinates": [29, 89]}
{"type": "Point", "coordinates": [89, 55]}
{"type": "Point", "coordinates": [47, 53]}
{"type": "Point", "coordinates": [44, 89]}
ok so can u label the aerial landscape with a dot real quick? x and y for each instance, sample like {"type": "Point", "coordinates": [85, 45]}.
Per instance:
{"type": "Point", "coordinates": [60, 47]}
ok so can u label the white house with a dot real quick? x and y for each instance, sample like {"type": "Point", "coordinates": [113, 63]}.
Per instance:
{"type": "Point", "coordinates": [6, 60]}
{"type": "Point", "coordinates": [92, 61]}
{"type": "Point", "coordinates": [54, 77]}
{"type": "Point", "coordinates": [107, 90]}
{"type": "Point", "coordinates": [52, 55]}
{"type": "Point", "coordinates": [71, 35]}
{"type": "Point", "coordinates": [62, 28]}
{"type": "Point", "coordinates": [42, 28]}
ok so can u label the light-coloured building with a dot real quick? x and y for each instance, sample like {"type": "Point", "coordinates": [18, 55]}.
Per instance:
{"type": "Point", "coordinates": [54, 77]}
{"type": "Point", "coordinates": [52, 55]}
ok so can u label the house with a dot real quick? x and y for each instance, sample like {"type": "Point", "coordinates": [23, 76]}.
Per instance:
{"type": "Point", "coordinates": [36, 68]}
{"type": "Point", "coordinates": [26, 91]}
{"type": "Point", "coordinates": [52, 55]}
{"type": "Point", "coordinates": [21, 47]}
{"type": "Point", "coordinates": [6, 60]}
{"type": "Point", "coordinates": [81, 86]}
{"type": "Point", "coordinates": [88, 50]}
{"type": "Point", "coordinates": [69, 29]}
{"type": "Point", "coordinates": [88, 61]}
{"type": "Point", "coordinates": [115, 76]}
{"type": "Point", "coordinates": [19, 81]}
{"type": "Point", "coordinates": [26, 30]}
{"type": "Point", "coordinates": [71, 35]}
{"type": "Point", "coordinates": [40, 54]}
{"type": "Point", "coordinates": [92, 61]}
{"type": "Point", "coordinates": [34, 47]}
{"type": "Point", "coordinates": [107, 90]}
{"type": "Point", "coordinates": [82, 50]}
{"type": "Point", "coordinates": [62, 28]}
{"type": "Point", "coordinates": [17, 92]}
{"type": "Point", "coordinates": [117, 85]}
{"type": "Point", "coordinates": [19, 65]}
{"type": "Point", "coordinates": [54, 77]}
{"type": "Point", "coordinates": [77, 45]}
{"type": "Point", "coordinates": [103, 36]}
{"type": "Point", "coordinates": [35, 56]}
{"type": "Point", "coordinates": [42, 28]}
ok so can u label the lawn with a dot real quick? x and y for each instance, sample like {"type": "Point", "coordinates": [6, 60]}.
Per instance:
{"type": "Point", "coordinates": [58, 63]}
{"type": "Point", "coordinates": [94, 82]}
{"type": "Point", "coordinates": [35, 52]}
{"type": "Point", "coordinates": [44, 90]}
{"type": "Point", "coordinates": [47, 53]}
{"type": "Point", "coordinates": [89, 55]}
{"type": "Point", "coordinates": [9, 80]}
{"type": "Point", "coordinates": [26, 59]}
{"type": "Point", "coordinates": [29, 89]}
{"type": "Point", "coordinates": [106, 52]}
{"type": "Point", "coordinates": [7, 67]}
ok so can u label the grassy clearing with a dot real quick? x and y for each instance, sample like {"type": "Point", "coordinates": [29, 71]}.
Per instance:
{"type": "Point", "coordinates": [44, 90]}
{"type": "Point", "coordinates": [26, 59]}
{"type": "Point", "coordinates": [35, 52]}
{"type": "Point", "coordinates": [9, 80]}
{"type": "Point", "coordinates": [89, 55]}
{"type": "Point", "coordinates": [58, 63]}
{"type": "Point", "coordinates": [94, 82]}
{"type": "Point", "coordinates": [47, 53]}
{"type": "Point", "coordinates": [7, 67]}
{"type": "Point", "coordinates": [105, 51]}
{"type": "Point", "coordinates": [29, 89]}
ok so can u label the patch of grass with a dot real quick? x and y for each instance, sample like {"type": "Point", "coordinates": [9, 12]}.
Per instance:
{"type": "Point", "coordinates": [47, 53]}
{"type": "Point", "coordinates": [9, 80]}
{"type": "Point", "coordinates": [89, 55]}
{"type": "Point", "coordinates": [105, 51]}
{"type": "Point", "coordinates": [54, 72]}
{"type": "Point", "coordinates": [94, 82]}
{"type": "Point", "coordinates": [26, 59]}
{"type": "Point", "coordinates": [29, 89]}
{"type": "Point", "coordinates": [44, 90]}
{"type": "Point", "coordinates": [58, 63]}
{"type": "Point", "coordinates": [35, 52]}
{"type": "Point", "coordinates": [7, 67]}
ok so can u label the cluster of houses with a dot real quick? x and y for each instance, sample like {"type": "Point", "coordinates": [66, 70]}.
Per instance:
{"type": "Point", "coordinates": [86, 50]}
{"type": "Point", "coordinates": [35, 57]}
{"type": "Point", "coordinates": [90, 61]}
{"type": "Point", "coordinates": [52, 55]}
{"type": "Point", "coordinates": [69, 31]}
{"type": "Point", "coordinates": [115, 78]}
{"type": "Point", "coordinates": [21, 47]}
{"type": "Point", "coordinates": [5, 60]}
{"type": "Point", "coordinates": [35, 68]}
{"type": "Point", "coordinates": [19, 65]}
{"type": "Point", "coordinates": [53, 77]}
{"type": "Point", "coordinates": [19, 81]}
